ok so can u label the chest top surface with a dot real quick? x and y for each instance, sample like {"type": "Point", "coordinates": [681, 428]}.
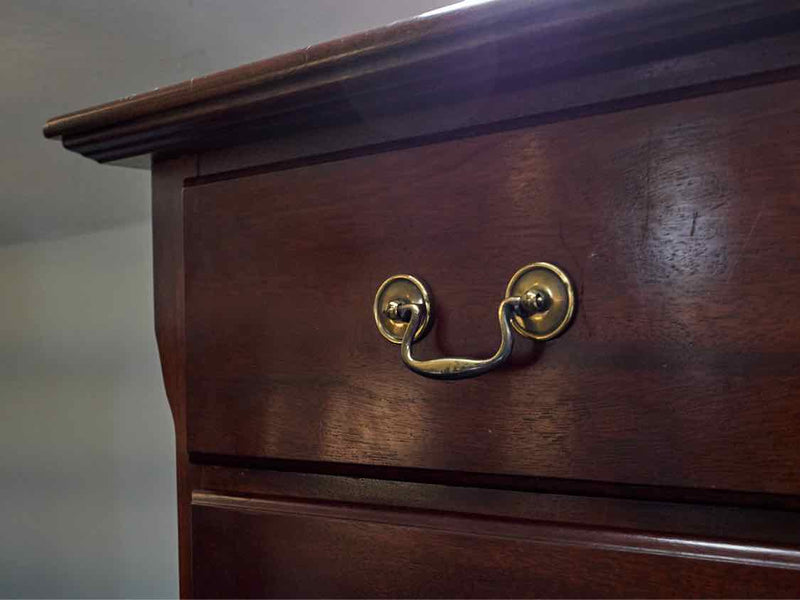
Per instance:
{"type": "Point", "coordinates": [450, 71]}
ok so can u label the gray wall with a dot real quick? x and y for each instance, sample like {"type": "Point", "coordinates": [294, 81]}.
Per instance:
{"type": "Point", "coordinates": [87, 467]}
{"type": "Point", "coordinates": [86, 440]}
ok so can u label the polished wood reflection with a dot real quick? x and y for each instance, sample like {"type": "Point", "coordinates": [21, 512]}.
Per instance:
{"type": "Point", "coordinates": [678, 222]}
{"type": "Point", "coordinates": [649, 147]}
{"type": "Point", "coordinates": [294, 549]}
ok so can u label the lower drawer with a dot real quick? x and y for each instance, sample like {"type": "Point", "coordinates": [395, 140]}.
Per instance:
{"type": "Point", "coordinates": [246, 547]}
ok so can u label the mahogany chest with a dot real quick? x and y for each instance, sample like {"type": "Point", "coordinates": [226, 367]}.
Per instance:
{"type": "Point", "coordinates": [581, 376]}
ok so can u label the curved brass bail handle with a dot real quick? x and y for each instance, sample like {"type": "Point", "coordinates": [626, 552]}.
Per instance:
{"type": "Point", "coordinates": [455, 367]}
{"type": "Point", "coordinates": [539, 304]}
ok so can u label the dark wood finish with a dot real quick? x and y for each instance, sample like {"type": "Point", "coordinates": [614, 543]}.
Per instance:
{"type": "Point", "coordinates": [539, 485]}
{"type": "Point", "coordinates": [268, 548]}
{"type": "Point", "coordinates": [650, 147]}
{"type": "Point", "coordinates": [437, 60]}
{"type": "Point", "coordinates": [510, 106]}
{"type": "Point", "coordinates": [678, 223]}
{"type": "Point", "coordinates": [732, 523]}
{"type": "Point", "coordinates": [168, 178]}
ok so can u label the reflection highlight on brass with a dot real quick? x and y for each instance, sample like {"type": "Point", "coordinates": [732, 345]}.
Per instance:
{"type": "Point", "coordinates": [539, 304]}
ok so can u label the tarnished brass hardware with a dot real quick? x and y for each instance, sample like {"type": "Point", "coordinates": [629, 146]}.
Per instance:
{"type": "Point", "coordinates": [550, 283]}
{"type": "Point", "coordinates": [395, 292]}
{"type": "Point", "coordinates": [539, 304]}
{"type": "Point", "coordinates": [459, 368]}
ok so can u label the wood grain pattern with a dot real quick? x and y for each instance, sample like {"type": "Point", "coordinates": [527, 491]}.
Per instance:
{"type": "Point", "coordinates": [383, 121]}
{"type": "Point", "coordinates": [436, 59]}
{"type": "Point", "coordinates": [732, 523]}
{"type": "Point", "coordinates": [168, 275]}
{"type": "Point", "coordinates": [650, 147]}
{"type": "Point", "coordinates": [263, 548]}
{"type": "Point", "coordinates": [678, 222]}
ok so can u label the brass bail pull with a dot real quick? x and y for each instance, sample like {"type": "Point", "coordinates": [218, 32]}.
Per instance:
{"type": "Point", "coordinates": [539, 304]}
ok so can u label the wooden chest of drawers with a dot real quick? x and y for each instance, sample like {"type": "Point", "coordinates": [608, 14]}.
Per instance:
{"type": "Point", "coordinates": [650, 150]}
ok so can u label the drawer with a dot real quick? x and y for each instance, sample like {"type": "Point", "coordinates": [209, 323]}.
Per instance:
{"type": "Point", "coordinates": [679, 224]}
{"type": "Point", "coordinates": [255, 548]}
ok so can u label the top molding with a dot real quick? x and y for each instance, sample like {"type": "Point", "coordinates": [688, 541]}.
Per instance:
{"type": "Point", "coordinates": [430, 59]}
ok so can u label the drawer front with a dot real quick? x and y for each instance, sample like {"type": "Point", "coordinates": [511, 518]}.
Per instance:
{"type": "Point", "coordinates": [262, 548]}
{"type": "Point", "coordinates": [679, 223]}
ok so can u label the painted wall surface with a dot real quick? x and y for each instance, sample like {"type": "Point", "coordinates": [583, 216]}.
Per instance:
{"type": "Point", "coordinates": [87, 464]}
